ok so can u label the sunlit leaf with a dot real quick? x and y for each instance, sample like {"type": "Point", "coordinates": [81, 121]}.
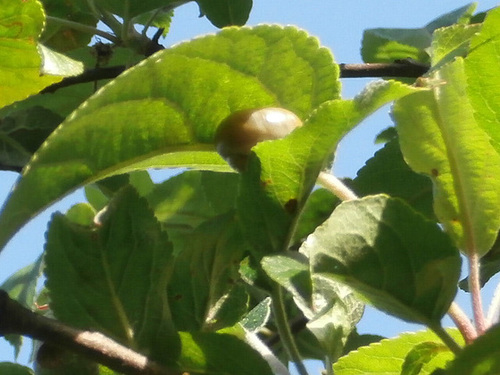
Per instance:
{"type": "Point", "coordinates": [392, 256]}
{"type": "Point", "coordinates": [440, 137]}
{"type": "Point", "coordinates": [387, 357]}
{"type": "Point", "coordinates": [113, 278]}
{"type": "Point", "coordinates": [21, 65]}
{"type": "Point", "coordinates": [482, 71]}
{"type": "Point", "coordinates": [164, 111]}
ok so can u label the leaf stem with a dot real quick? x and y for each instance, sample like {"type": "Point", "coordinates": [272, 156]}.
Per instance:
{"type": "Point", "coordinates": [446, 338]}
{"type": "Point", "coordinates": [83, 28]}
{"type": "Point", "coordinates": [337, 187]}
{"type": "Point", "coordinates": [462, 322]}
{"type": "Point", "coordinates": [287, 339]}
{"type": "Point", "coordinates": [475, 290]}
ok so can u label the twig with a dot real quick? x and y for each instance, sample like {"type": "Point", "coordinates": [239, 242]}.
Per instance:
{"type": "Point", "coordinates": [346, 71]}
{"type": "Point", "coordinates": [406, 69]}
{"type": "Point", "coordinates": [475, 291]}
{"type": "Point", "coordinates": [287, 339]}
{"type": "Point", "coordinates": [462, 322]}
{"type": "Point", "coordinates": [337, 187]}
{"type": "Point", "coordinates": [16, 319]}
{"type": "Point", "coordinates": [83, 28]}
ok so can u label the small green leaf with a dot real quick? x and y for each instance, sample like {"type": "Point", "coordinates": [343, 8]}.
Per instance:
{"type": "Point", "coordinates": [397, 260]}
{"type": "Point", "coordinates": [21, 287]}
{"type": "Point", "coordinates": [8, 368]}
{"type": "Point", "coordinates": [482, 357]}
{"type": "Point", "coordinates": [113, 278]}
{"type": "Point", "coordinates": [215, 353]}
{"type": "Point", "coordinates": [204, 291]}
{"type": "Point", "coordinates": [387, 172]}
{"type": "Point", "coordinates": [291, 271]}
{"type": "Point", "coordinates": [388, 45]}
{"type": "Point", "coordinates": [226, 12]}
{"type": "Point", "coordinates": [63, 38]}
{"type": "Point", "coordinates": [420, 355]}
{"type": "Point", "coordinates": [387, 357]}
{"type": "Point", "coordinates": [149, 117]}
{"type": "Point", "coordinates": [439, 137]}
{"type": "Point", "coordinates": [451, 42]}
{"type": "Point", "coordinates": [258, 316]}
{"type": "Point", "coordinates": [81, 214]}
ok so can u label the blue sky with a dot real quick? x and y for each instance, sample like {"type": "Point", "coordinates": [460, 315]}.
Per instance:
{"type": "Point", "coordinates": [339, 26]}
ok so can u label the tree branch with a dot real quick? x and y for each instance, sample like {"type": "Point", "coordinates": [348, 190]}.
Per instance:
{"type": "Point", "coordinates": [16, 319]}
{"type": "Point", "coordinates": [406, 69]}
{"type": "Point", "coordinates": [402, 69]}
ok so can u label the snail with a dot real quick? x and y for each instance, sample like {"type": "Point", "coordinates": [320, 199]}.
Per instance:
{"type": "Point", "coordinates": [240, 131]}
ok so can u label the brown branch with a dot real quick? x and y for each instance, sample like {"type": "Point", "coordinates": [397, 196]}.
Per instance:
{"type": "Point", "coordinates": [403, 69]}
{"type": "Point", "coordinates": [408, 69]}
{"type": "Point", "coordinates": [16, 319]}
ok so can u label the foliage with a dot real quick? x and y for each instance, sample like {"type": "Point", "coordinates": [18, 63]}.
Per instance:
{"type": "Point", "coordinates": [218, 272]}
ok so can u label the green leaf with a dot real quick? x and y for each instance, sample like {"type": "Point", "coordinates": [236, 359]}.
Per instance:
{"type": "Point", "coordinates": [482, 69]}
{"type": "Point", "coordinates": [387, 357]}
{"type": "Point", "coordinates": [392, 256]}
{"type": "Point", "coordinates": [420, 355]}
{"type": "Point", "coordinates": [258, 316]}
{"type": "Point", "coordinates": [21, 287]}
{"type": "Point", "coordinates": [291, 271]}
{"type": "Point", "coordinates": [215, 353]}
{"type": "Point", "coordinates": [164, 112]}
{"type": "Point", "coordinates": [439, 137]}
{"type": "Point", "coordinates": [451, 42]}
{"type": "Point", "coordinates": [205, 292]}
{"type": "Point", "coordinates": [160, 18]}
{"type": "Point", "coordinates": [82, 214]}
{"type": "Point", "coordinates": [388, 45]}
{"type": "Point", "coordinates": [479, 358]}
{"type": "Point", "coordinates": [63, 38]}
{"type": "Point", "coordinates": [226, 12]}
{"type": "Point", "coordinates": [276, 184]}
{"type": "Point", "coordinates": [387, 172]}
{"type": "Point", "coordinates": [22, 132]}
{"type": "Point", "coordinates": [8, 368]}
{"type": "Point", "coordinates": [21, 23]}
{"type": "Point", "coordinates": [113, 278]}
{"type": "Point", "coordinates": [131, 9]}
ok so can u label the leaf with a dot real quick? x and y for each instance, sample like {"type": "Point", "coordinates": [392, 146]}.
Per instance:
{"type": "Point", "coordinates": [451, 42]}
{"type": "Point", "coordinates": [22, 133]}
{"type": "Point", "coordinates": [291, 271]}
{"type": "Point", "coordinates": [482, 74]}
{"type": "Point", "coordinates": [226, 12]}
{"type": "Point", "coordinates": [20, 63]}
{"type": "Point", "coordinates": [258, 316]}
{"type": "Point", "coordinates": [149, 116]}
{"type": "Point", "coordinates": [205, 292]}
{"type": "Point", "coordinates": [8, 368]}
{"type": "Point", "coordinates": [21, 287]}
{"type": "Point", "coordinates": [277, 182]}
{"type": "Point", "coordinates": [387, 172]}
{"type": "Point", "coordinates": [440, 137]}
{"type": "Point", "coordinates": [215, 353]}
{"type": "Point", "coordinates": [113, 278]}
{"type": "Point", "coordinates": [392, 256]}
{"type": "Point", "coordinates": [389, 45]}
{"type": "Point", "coordinates": [63, 38]}
{"type": "Point", "coordinates": [387, 356]}
{"type": "Point", "coordinates": [420, 355]}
